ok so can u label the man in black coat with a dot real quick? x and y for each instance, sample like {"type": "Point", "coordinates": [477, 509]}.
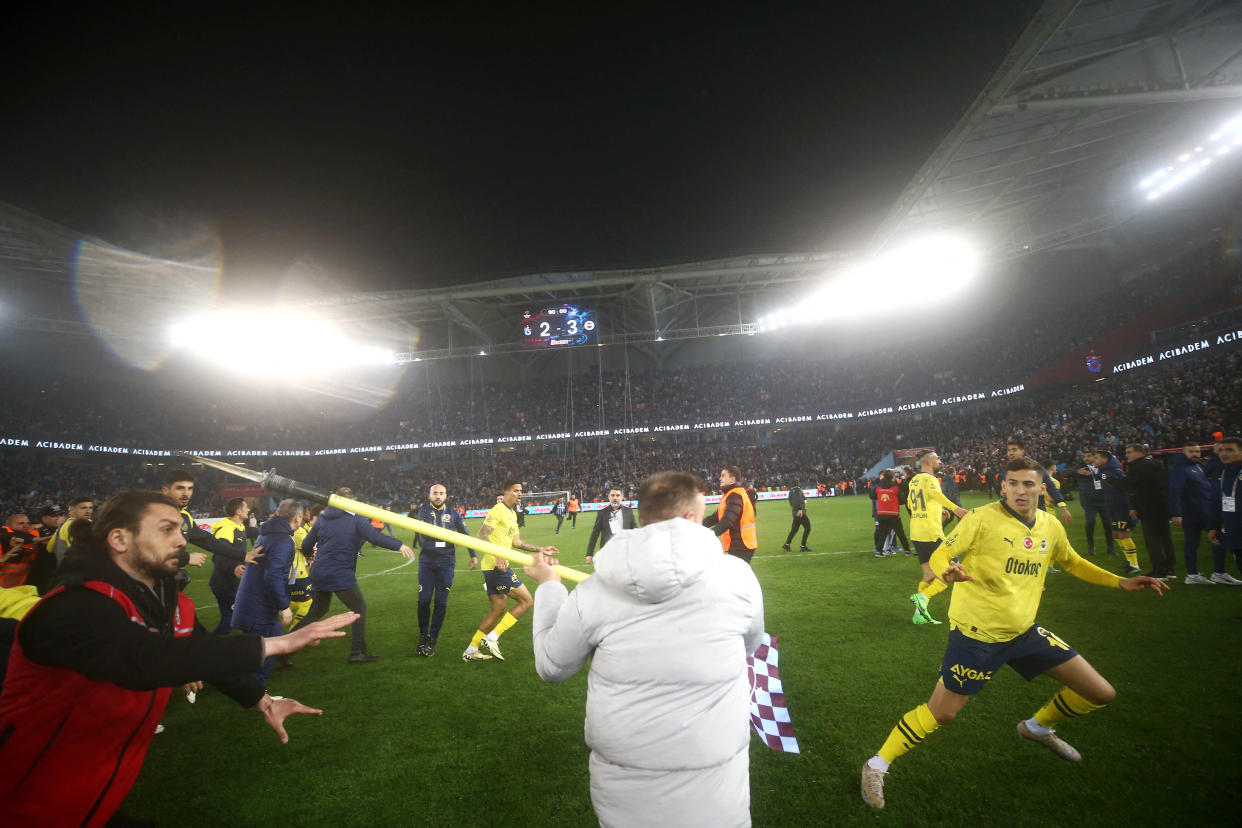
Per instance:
{"type": "Point", "coordinates": [1147, 481]}
{"type": "Point", "coordinates": [797, 504]}
{"type": "Point", "coordinates": [608, 522]}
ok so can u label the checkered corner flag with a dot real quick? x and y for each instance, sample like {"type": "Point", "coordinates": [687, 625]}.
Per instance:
{"type": "Point", "coordinates": [769, 715]}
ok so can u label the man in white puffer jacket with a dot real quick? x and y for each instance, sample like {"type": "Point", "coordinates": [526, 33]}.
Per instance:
{"type": "Point", "coordinates": [670, 620]}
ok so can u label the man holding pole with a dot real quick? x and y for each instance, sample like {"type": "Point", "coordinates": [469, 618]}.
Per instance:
{"type": "Point", "coordinates": [500, 527]}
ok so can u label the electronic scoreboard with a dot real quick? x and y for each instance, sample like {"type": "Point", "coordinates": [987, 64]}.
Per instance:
{"type": "Point", "coordinates": [555, 326]}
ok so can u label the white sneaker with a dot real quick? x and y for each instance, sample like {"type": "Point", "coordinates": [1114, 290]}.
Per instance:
{"type": "Point", "coordinates": [1198, 579]}
{"type": "Point", "coordinates": [1224, 578]}
{"type": "Point", "coordinates": [159, 728]}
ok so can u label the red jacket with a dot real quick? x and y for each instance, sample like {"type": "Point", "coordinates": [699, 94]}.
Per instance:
{"type": "Point", "coordinates": [64, 764]}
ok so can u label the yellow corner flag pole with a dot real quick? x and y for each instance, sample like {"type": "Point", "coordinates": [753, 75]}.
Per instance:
{"type": "Point", "coordinates": [273, 482]}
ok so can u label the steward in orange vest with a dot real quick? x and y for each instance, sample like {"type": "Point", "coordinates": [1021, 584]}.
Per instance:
{"type": "Point", "coordinates": [734, 520]}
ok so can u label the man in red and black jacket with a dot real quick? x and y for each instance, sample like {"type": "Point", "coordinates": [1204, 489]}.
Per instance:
{"type": "Point", "coordinates": [93, 664]}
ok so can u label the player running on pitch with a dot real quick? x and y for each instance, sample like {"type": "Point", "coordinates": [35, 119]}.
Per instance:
{"type": "Point", "coordinates": [925, 502]}
{"type": "Point", "coordinates": [1006, 549]}
{"type": "Point", "coordinates": [500, 527]}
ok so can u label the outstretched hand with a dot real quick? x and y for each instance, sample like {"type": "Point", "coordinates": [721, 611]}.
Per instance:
{"type": "Point", "coordinates": [1143, 582]}
{"type": "Point", "coordinates": [540, 568]}
{"type": "Point", "coordinates": [407, 552]}
{"type": "Point", "coordinates": [308, 636]}
{"type": "Point", "coordinates": [955, 572]}
{"type": "Point", "coordinates": [275, 711]}
{"type": "Point", "coordinates": [254, 554]}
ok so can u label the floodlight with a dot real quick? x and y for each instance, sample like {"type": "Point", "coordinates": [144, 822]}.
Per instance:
{"type": "Point", "coordinates": [893, 278]}
{"type": "Point", "coordinates": [1190, 163]}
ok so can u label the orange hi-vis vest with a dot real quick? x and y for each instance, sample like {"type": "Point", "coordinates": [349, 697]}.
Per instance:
{"type": "Point", "coordinates": [750, 538]}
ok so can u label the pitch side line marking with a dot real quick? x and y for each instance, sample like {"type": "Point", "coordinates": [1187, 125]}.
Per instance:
{"type": "Point", "coordinates": [404, 564]}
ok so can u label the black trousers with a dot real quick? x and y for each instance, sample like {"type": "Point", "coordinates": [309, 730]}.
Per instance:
{"type": "Point", "coordinates": [353, 600]}
{"type": "Point", "coordinates": [889, 523]}
{"type": "Point", "coordinates": [805, 523]}
{"type": "Point", "coordinates": [1159, 541]}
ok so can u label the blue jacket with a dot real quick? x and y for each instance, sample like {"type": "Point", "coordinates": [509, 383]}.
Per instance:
{"type": "Point", "coordinates": [340, 536]}
{"type": "Point", "coordinates": [446, 518]}
{"type": "Point", "coordinates": [1087, 492]}
{"type": "Point", "coordinates": [264, 588]}
{"type": "Point", "coordinates": [1190, 491]}
{"type": "Point", "coordinates": [1230, 523]}
{"type": "Point", "coordinates": [1116, 499]}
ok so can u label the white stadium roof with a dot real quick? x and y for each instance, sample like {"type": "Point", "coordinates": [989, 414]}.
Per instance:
{"type": "Point", "coordinates": [1094, 99]}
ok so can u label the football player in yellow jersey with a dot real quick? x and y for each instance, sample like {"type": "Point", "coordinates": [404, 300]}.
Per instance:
{"type": "Point", "coordinates": [1006, 549]}
{"type": "Point", "coordinates": [1015, 449]}
{"type": "Point", "coordinates": [926, 502]}
{"type": "Point", "coordinates": [500, 527]}
{"type": "Point", "coordinates": [299, 573]}
{"type": "Point", "coordinates": [79, 507]}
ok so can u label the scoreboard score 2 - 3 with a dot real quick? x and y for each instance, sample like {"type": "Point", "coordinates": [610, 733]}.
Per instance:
{"type": "Point", "coordinates": [555, 326]}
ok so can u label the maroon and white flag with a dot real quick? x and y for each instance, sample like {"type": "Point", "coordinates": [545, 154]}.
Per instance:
{"type": "Point", "coordinates": [769, 715]}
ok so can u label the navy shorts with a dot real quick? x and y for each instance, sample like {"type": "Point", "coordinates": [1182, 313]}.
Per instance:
{"type": "Point", "coordinates": [924, 549]}
{"type": "Point", "coordinates": [969, 664]}
{"type": "Point", "coordinates": [497, 582]}
{"type": "Point", "coordinates": [1126, 525]}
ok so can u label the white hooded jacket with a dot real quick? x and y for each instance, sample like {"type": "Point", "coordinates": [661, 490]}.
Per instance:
{"type": "Point", "coordinates": [670, 620]}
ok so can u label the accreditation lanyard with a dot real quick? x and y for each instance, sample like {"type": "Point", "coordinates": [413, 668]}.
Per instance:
{"type": "Point", "coordinates": [1229, 503]}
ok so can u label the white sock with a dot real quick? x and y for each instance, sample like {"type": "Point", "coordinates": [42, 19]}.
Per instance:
{"type": "Point", "coordinates": [471, 649]}
{"type": "Point", "coordinates": [491, 636]}
{"type": "Point", "coordinates": [877, 763]}
{"type": "Point", "coordinates": [1036, 728]}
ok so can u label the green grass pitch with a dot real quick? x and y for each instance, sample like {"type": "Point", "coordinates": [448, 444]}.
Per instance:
{"type": "Point", "coordinates": [416, 741]}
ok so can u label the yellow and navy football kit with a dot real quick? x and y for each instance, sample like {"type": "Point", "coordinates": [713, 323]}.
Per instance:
{"type": "Point", "coordinates": [503, 522]}
{"type": "Point", "coordinates": [299, 577]}
{"type": "Point", "coordinates": [992, 618]}
{"type": "Point", "coordinates": [925, 502]}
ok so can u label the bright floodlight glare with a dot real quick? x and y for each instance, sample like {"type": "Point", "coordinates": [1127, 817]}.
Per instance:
{"type": "Point", "coordinates": [945, 261]}
{"type": "Point", "coordinates": [227, 335]}
{"type": "Point", "coordinates": [948, 262]}
{"type": "Point", "coordinates": [1169, 177]}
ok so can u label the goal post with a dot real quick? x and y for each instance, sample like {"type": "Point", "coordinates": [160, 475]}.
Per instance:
{"type": "Point", "coordinates": [545, 499]}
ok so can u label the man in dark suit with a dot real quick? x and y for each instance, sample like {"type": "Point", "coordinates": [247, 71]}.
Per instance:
{"type": "Point", "coordinates": [609, 522]}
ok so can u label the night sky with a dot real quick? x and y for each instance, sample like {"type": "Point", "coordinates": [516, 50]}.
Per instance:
{"type": "Point", "coordinates": [456, 145]}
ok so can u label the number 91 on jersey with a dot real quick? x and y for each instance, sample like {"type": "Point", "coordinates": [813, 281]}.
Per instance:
{"type": "Point", "coordinates": [555, 326]}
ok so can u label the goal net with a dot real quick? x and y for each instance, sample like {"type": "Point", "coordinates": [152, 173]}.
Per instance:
{"type": "Point", "coordinates": [543, 498]}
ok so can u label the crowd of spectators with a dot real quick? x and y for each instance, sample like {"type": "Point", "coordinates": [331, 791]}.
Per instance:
{"type": "Point", "coordinates": [1188, 399]}
{"type": "Point", "coordinates": [900, 366]}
